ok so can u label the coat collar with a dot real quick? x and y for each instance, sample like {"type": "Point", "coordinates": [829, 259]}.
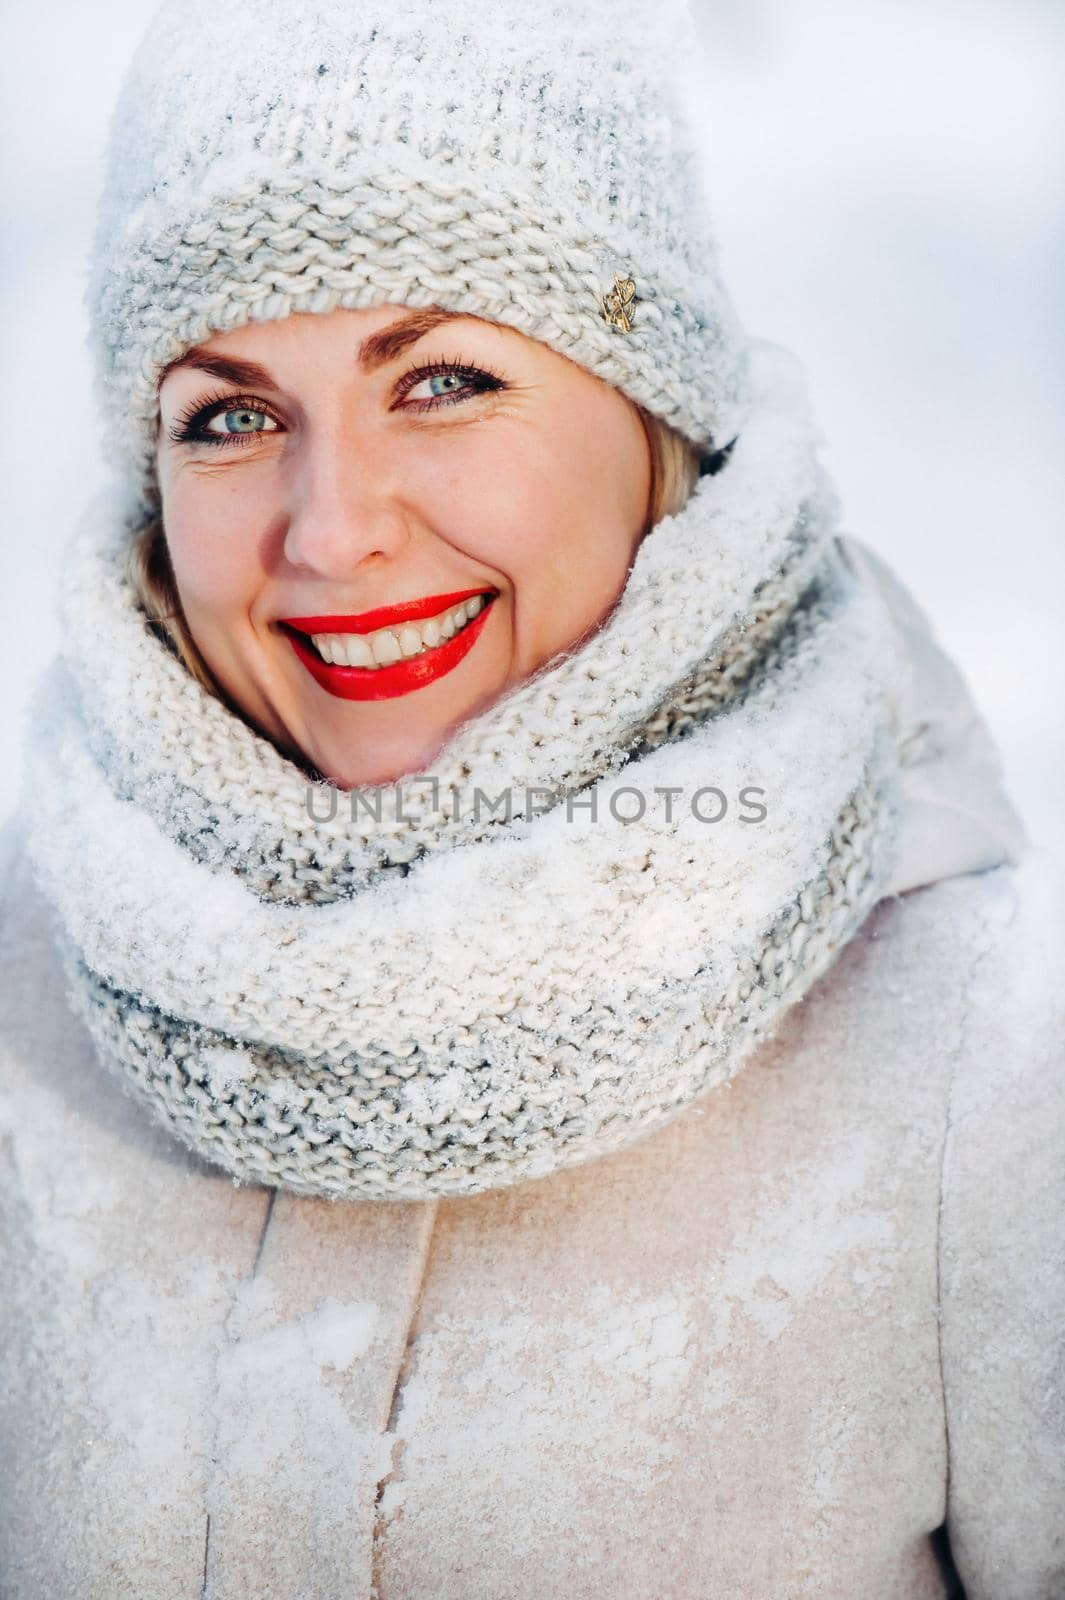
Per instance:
{"type": "Point", "coordinates": [957, 816]}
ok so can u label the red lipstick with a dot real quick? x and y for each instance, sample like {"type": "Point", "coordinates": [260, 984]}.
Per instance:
{"type": "Point", "coordinates": [383, 616]}
{"type": "Point", "coordinates": [402, 677]}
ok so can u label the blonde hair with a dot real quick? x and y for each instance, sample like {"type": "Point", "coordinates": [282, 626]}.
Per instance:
{"type": "Point", "coordinates": [675, 469]}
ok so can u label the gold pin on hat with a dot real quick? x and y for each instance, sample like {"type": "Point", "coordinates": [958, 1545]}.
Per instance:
{"type": "Point", "coordinates": [619, 306]}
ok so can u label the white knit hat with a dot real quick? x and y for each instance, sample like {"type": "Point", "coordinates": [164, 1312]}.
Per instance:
{"type": "Point", "coordinates": [507, 160]}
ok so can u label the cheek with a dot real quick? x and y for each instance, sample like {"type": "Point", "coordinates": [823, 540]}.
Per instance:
{"type": "Point", "coordinates": [213, 540]}
{"type": "Point", "coordinates": [558, 505]}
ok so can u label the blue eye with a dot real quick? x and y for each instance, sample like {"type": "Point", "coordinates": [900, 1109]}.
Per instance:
{"type": "Point", "coordinates": [244, 420]}
{"type": "Point", "coordinates": [445, 383]}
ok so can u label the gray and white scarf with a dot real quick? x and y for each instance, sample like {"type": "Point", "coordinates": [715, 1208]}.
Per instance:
{"type": "Point", "coordinates": [420, 995]}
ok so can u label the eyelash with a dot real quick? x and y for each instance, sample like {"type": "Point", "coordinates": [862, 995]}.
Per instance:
{"type": "Point", "coordinates": [190, 427]}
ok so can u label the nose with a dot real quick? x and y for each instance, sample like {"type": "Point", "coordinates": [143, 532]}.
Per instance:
{"type": "Point", "coordinates": [344, 509]}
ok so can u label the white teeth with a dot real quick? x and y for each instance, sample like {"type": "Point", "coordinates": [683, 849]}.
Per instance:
{"type": "Point", "coordinates": [388, 645]}
{"type": "Point", "coordinates": [357, 652]}
{"type": "Point", "coordinates": [385, 647]}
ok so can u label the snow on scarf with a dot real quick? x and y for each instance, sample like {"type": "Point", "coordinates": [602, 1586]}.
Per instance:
{"type": "Point", "coordinates": [417, 996]}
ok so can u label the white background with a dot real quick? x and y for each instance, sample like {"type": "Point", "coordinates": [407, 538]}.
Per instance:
{"type": "Point", "coordinates": [887, 182]}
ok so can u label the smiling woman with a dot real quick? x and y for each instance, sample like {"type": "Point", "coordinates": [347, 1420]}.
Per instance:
{"type": "Point", "coordinates": [425, 1198]}
{"type": "Point", "coordinates": [403, 462]}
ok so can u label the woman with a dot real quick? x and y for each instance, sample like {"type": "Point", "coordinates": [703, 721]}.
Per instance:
{"type": "Point", "coordinates": [530, 1053]}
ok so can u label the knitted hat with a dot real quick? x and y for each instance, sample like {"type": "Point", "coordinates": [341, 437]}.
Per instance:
{"type": "Point", "coordinates": [531, 164]}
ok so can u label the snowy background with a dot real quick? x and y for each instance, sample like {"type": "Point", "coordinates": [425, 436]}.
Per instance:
{"type": "Point", "coordinates": [888, 188]}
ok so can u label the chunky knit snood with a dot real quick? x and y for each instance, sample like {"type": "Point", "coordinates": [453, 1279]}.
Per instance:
{"type": "Point", "coordinates": [406, 992]}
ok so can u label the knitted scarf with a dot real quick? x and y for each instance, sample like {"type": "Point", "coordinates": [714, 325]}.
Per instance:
{"type": "Point", "coordinates": [404, 992]}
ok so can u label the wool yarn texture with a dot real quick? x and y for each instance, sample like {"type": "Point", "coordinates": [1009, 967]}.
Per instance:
{"type": "Point", "coordinates": [500, 161]}
{"type": "Point", "coordinates": [420, 1000]}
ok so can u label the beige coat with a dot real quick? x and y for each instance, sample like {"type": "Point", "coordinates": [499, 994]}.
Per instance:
{"type": "Point", "coordinates": [762, 1355]}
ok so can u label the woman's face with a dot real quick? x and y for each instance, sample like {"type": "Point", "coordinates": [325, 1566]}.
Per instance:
{"type": "Point", "coordinates": [335, 485]}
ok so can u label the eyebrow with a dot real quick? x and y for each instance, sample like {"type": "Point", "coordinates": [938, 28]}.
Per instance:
{"type": "Point", "coordinates": [375, 351]}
